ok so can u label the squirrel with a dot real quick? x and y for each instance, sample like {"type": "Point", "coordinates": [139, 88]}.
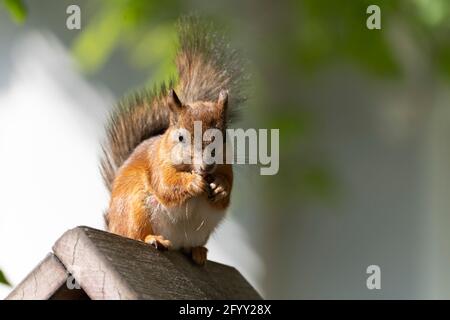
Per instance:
{"type": "Point", "coordinates": [165, 204]}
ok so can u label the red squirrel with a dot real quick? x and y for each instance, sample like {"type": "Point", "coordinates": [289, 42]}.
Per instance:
{"type": "Point", "coordinates": [166, 204]}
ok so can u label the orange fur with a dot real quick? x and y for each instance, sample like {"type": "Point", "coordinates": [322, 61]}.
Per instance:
{"type": "Point", "coordinates": [149, 172]}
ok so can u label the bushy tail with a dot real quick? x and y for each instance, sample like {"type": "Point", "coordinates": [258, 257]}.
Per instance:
{"type": "Point", "coordinates": [205, 65]}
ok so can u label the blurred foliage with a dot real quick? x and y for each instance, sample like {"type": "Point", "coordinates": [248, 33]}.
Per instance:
{"type": "Point", "coordinates": [304, 176]}
{"type": "Point", "coordinates": [323, 33]}
{"type": "Point", "coordinates": [327, 32]}
{"type": "Point", "coordinates": [300, 169]}
{"type": "Point", "coordinates": [3, 279]}
{"type": "Point", "coordinates": [334, 31]}
{"type": "Point", "coordinates": [145, 30]}
{"type": "Point", "coordinates": [433, 13]}
{"type": "Point", "coordinates": [314, 37]}
{"type": "Point", "coordinates": [16, 9]}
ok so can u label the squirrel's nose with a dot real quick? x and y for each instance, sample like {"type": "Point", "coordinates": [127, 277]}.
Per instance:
{"type": "Point", "coordinates": [206, 168]}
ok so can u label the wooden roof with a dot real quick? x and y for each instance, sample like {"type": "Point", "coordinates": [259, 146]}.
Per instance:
{"type": "Point", "coordinates": [107, 266]}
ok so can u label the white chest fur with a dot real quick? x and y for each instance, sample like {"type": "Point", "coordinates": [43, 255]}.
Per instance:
{"type": "Point", "coordinates": [186, 226]}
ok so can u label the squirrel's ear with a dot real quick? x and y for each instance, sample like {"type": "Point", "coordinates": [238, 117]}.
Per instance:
{"type": "Point", "coordinates": [223, 100]}
{"type": "Point", "coordinates": [222, 104]}
{"type": "Point", "coordinates": [174, 103]}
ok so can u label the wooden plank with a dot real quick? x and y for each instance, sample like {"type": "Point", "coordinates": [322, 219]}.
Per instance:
{"type": "Point", "coordinates": [216, 280]}
{"type": "Point", "coordinates": [42, 282]}
{"type": "Point", "coordinates": [108, 266]}
{"type": "Point", "coordinates": [91, 269]}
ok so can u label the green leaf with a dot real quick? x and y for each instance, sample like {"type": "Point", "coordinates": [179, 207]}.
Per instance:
{"type": "Point", "coordinates": [156, 50]}
{"type": "Point", "coordinates": [16, 9]}
{"type": "Point", "coordinates": [95, 44]}
{"type": "Point", "coordinates": [432, 13]}
{"type": "Point", "coordinates": [3, 279]}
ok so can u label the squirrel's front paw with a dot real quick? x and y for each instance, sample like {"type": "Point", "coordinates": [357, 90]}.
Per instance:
{"type": "Point", "coordinates": [220, 189]}
{"type": "Point", "coordinates": [198, 185]}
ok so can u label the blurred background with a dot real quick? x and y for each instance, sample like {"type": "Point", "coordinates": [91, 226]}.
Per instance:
{"type": "Point", "coordinates": [364, 119]}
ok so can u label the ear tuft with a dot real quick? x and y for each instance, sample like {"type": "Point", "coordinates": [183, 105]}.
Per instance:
{"type": "Point", "coordinates": [223, 98]}
{"type": "Point", "coordinates": [222, 102]}
{"type": "Point", "coordinates": [173, 101]}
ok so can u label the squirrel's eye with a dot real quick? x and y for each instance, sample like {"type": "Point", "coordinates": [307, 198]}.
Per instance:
{"type": "Point", "coordinates": [180, 138]}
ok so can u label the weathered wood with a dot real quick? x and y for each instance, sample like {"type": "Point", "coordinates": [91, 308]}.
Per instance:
{"type": "Point", "coordinates": [108, 266]}
{"type": "Point", "coordinates": [42, 282]}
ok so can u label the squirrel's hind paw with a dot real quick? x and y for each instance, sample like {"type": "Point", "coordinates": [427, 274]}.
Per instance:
{"type": "Point", "coordinates": [158, 242]}
{"type": "Point", "coordinates": [199, 255]}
